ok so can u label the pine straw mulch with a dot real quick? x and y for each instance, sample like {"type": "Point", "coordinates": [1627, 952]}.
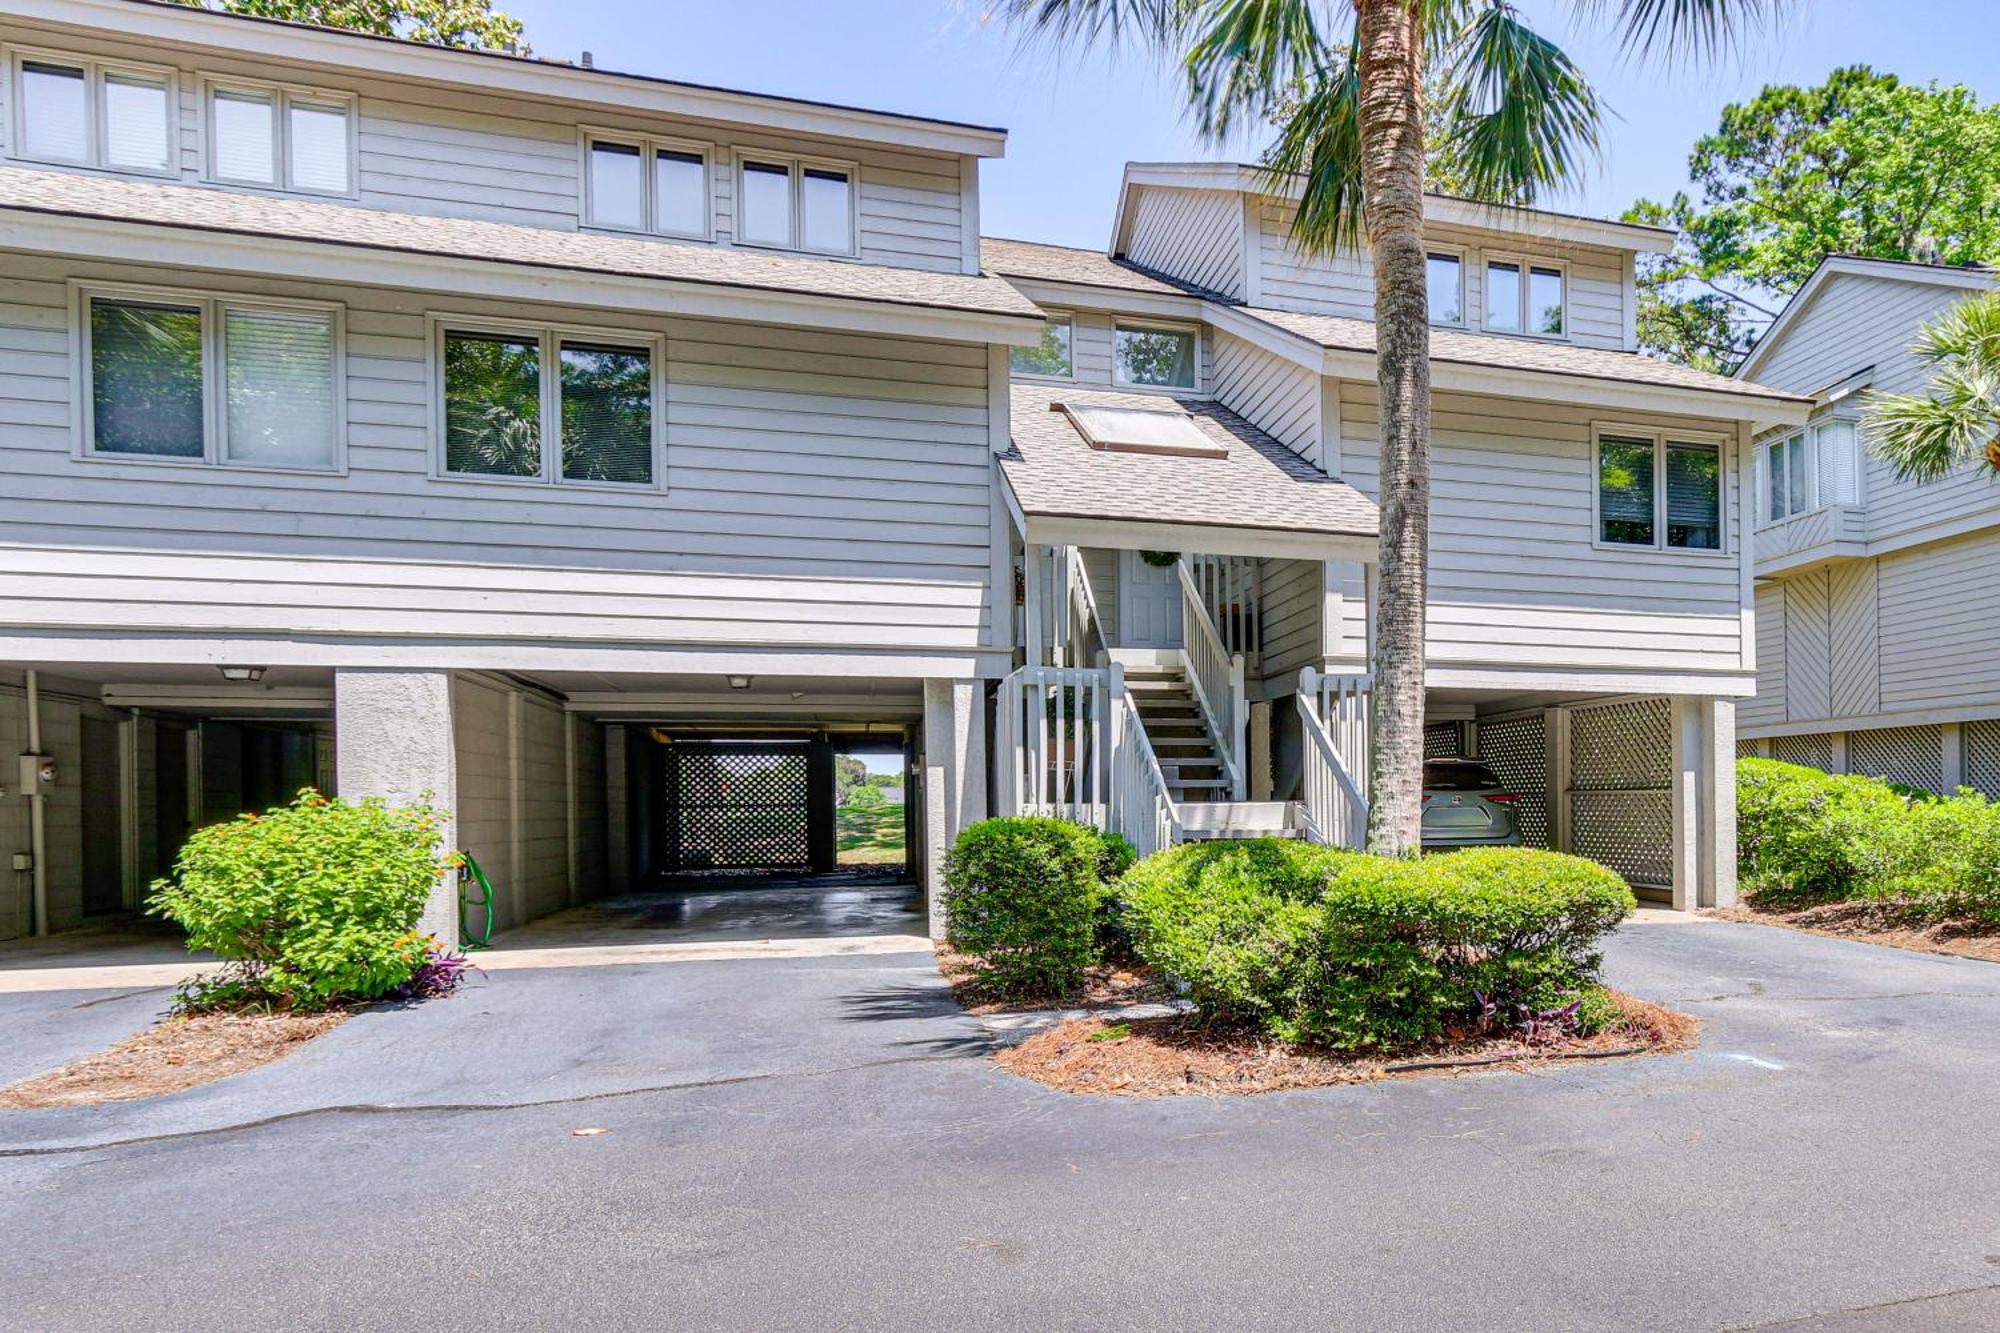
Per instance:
{"type": "Point", "coordinates": [172, 1055]}
{"type": "Point", "coordinates": [1874, 921]}
{"type": "Point", "coordinates": [1109, 986]}
{"type": "Point", "coordinates": [1174, 1057]}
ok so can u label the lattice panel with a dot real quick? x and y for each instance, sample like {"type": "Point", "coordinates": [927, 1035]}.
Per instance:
{"type": "Point", "coordinates": [1615, 747]}
{"type": "Point", "coordinates": [1914, 755]}
{"type": "Point", "coordinates": [1812, 751]}
{"type": "Point", "coordinates": [1517, 752]}
{"type": "Point", "coordinates": [1982, 756]}
{"type": "Point", "coordinates": [1621, 802]}
{"type": "Point", "coordinates": [740, 810]}
{"type": "Point", "coordinates": [1746, 749]}
{"type": "Point", "coordinates": [1441, 741]}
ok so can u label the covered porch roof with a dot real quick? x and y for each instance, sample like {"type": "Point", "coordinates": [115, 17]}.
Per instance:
{"type": "Point", "coordinates": [1255, 498]}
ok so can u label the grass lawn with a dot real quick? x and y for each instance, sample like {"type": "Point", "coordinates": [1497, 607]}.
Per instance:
{"type": "Point", "coordinates": [870, 834]}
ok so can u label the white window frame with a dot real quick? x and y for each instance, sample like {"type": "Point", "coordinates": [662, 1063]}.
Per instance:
{"type": "Point", "coordinates": [1056, 316]}
{"type": "Point", "coordinates": [1810, 453]}
{"type": "Point", "coordinates": [96, 129]}
{"type": "Point", "coordinates": [549, 337]}
{"type": "Point", "coordinates": [1464, 283]}
{"type": "Point", "coordinates": [1659, 439]}
{"type": "Point", "coordinates": [795, 167]}
{"type": "Point", "coordinates": [1527, 264]}
{"type": "Point", "coordinates": [649, 146]}
{"type": "Point", "coordinates": [213, 306]}
{"type": "Point", "coordinates": [1152, 326]}
{"type": "Point", "coordinates": [282, 96]}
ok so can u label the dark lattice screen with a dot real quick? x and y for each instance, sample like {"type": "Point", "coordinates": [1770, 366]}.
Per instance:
{"type": "Point", "coordinates": [1621, 795]}
{"type": "Point", "coordinates": [1982, 756]}
{"type": "Point", "coordinates": [1443, 740]}
{"type": "Point", "coordinates": [738, 808]}
{"type": "Point", "coordinates": [1901, 754]}
{"type": "Point", "coordinates": [1517, 752]}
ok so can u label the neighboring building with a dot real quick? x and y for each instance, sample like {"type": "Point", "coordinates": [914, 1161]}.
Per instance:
{"type": "Point", "coordinates": [1877, 609]}
{"type": "Point", "coordinates": [603, 453]}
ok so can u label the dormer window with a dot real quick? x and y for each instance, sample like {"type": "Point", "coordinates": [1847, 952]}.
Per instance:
{"type": "Point", "coordinates": [793, 205]}
{"type": "Point", "coordinates": [1529, 298]}
{"type": "Point", "coordinates": [1445, 275]}
{"type": "Point", "coordinates": [1153, 356]}
{"type": "Point", "coordinates": [281, 138]}
{"type": "Point", "coordinates": [642, 184]}
{"type": "Point", "coordinates": [86, 113]}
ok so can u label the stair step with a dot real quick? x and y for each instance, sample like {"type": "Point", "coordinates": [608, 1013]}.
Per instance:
{"type": "Point", "coordinates": [1206, 784]}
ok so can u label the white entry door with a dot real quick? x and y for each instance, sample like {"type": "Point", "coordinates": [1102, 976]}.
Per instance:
{"type": "Point", "coordinates": [1149, 603]}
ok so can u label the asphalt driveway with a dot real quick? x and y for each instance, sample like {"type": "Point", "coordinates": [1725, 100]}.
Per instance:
{"type": "Point", "coordinates": [821, 1143]}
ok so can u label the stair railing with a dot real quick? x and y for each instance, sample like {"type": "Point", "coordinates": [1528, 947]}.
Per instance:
{"type": "Point", "coordinates": [1088, 643]}
{"type": "Point", "coordinates": [1231, 588]}
{"type": "Point", "coordinates": [1216, 676]}
{"type": "Point", "coordinates": [1142, 805]}
{"type": "Point", "coordinates": [1333, 715]}
{"type": "Point", "coordinates": [1055, 743]}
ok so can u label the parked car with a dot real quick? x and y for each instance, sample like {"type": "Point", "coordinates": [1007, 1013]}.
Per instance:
{"type": "Point", "coordinates": [1466, 805]}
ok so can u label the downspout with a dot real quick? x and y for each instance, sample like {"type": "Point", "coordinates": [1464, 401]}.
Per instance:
{"type": "Point", "coordinates": [38, 825]}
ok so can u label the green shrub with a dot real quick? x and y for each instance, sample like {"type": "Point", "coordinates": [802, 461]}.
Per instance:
{"type": "Point", "coordinates": [1949, 866]}
{"type": "Point", "coordinates": [1804, 836]}
{"type": "Point", "coordinates": [319, 898]}
{"type": "Point", "coordinates": [1021, 894]}
{"type": "Point", "coordinates": [1313, 944]}
{"type": "Point", "coordinates": [1116, 855]}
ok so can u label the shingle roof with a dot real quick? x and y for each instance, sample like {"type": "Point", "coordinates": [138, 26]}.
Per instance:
{"type": "Point", "coordinates": [231, 212]}
{"type": "Point", "coordinates": [1083, 268]}
{"type": "Point", "coordinates": [1485, 349]}
{"type": "Point", "coordinates": [1261, 484]}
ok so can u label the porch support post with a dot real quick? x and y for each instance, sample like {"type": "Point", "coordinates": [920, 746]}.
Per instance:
{"type": "Point", "coordinates": [954, 777]}
{"type": "Point", "coordinates": [1685, 722]}
{"type": "Point", "coordinates": [1704, 802]}
{"type": "Point", "coordinates": [393, 739]}
{"type": "Point", "coordinates": [1032, 614]}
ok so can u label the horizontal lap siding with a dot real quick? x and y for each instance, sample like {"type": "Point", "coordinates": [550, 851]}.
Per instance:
{"type": "Point", "coordinates": [1514, 579]}
{"type": "Point", "coordinates": [1939, 609]}
{"type": "Point", "coordinates": [1193, 235]}
{"type": "Point", "coordinates": [1293, 593]}
{"type": "Point", "coordinates": [1768, 706]}
{"type": "Point", "coordinates": [822, 489]}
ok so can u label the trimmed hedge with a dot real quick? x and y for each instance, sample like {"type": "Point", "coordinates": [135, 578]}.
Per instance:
{"type": "Point", "coordinates": [1021, 894]}
{"type": "Point", "coordinates": [1350, 951]}
{"type": "Point", "coordinates": [1804, 836]}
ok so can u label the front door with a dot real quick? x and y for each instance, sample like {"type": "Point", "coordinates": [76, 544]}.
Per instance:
{"type": "Point", "coordinates": [1149, 603]}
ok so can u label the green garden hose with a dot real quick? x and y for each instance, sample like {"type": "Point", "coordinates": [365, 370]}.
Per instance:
{"type": "Point", "coordinates": [466, 939]}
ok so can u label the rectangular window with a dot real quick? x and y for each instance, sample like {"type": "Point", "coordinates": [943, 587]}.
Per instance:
{"type": "Point", "coordinates": [1048, 357]}
{"type": "Point", "coordinates": [1774, 481]}
{"type": "Point", "coordinates": [1446, 277]}
{"type": "Point", "coordinates": [680, 192]}
{"type": "Point", "coordinates": [1503, 298]}
{"type": "Point", "coordinates": [93, 115]}
{"type": "Point", "coordinates": [765, 208]}
{"type": "Point", "coordinates": [826, 218]}
{"type": "Point", "coordinates": [541, 405]}
{"type": "Point", "coordinates": [1659, 493]}
{"type": "Point", "coordinates": [213, 379]}
{"type": "Point", "coordinates": [1546, 302]}
{"type": "Point", "coordinates": [639, 185]}
{"type": "Point", "coordinates": [1160, 358]}
{"type": "Point", "coordinates": [278, 388]}
{"type": "Point", "coordinates": [617, 197]}
{"type": "Point", "coordinates": [146, 395]}
{"type": "Point", "coordinates": [1796, 484]}
{"type": "Point", "coordinates": [282, 139]}
{"type": "Point", "coordinates": [1836, 444]}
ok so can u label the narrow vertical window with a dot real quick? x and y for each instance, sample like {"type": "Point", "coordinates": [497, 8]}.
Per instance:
{"type": "Point", "coordinates": [616, 185]}
{"type": "Point", "coordinates": [1444, 274]}
{"type": "Point", "coordinates": [1625, 491]}
{"type": "Point", "coordinates": [1503, 297]}
{"type": "Point", "coordinates": [764, 211]}
{"type": "Point", "coordinates": [1546, 314]}
{"type": "Point", "coordinates": [135, 123]}
{"type": "Point", "coordinates": [244, 137]}
{"type": "Point", "coordinates": [1839, 467]}
{"type": "Point", "coordinates": [278, 388]}
{"type": "Point", "coordinates": [680, 193]}
{"type": "Point", "coordinates": [492, 404]}
{"type": "Point", "coordinates": [146, 379]}
{"type": "Point", "coordinates": [1774, 480]}
{"type": "Point", "coordinates": [607, 413]}
{"type": "Point", "coordinates": [1048, 357]}
{"type": "Point", "coordinates": [1795, 475]}
{"type": "Point", "coordinates": [825, 210]}
{"type": "Point", "coordinates": [317, 134]}
{"type": "Point", "coordinates": [55, 112]}
{"type": "Point", "coordinates": [1694, 497]}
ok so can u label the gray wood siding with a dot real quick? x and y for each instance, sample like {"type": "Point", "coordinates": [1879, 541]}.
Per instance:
{"type": "Point", "coordinates": [822, 489]}
{"type": "Point", "coordinates": [1854, 676]}
{"type": "Point", "coordinates": [1940, 621]}
{"type": "Point", "coordinates": [520, 161]}
{"type": "Point", "coordinates": [1343, 284]}
{"type": "Point", "coordinates": [1273, 394]}
{"type": "Point", "coordinates": [1193, 235]}
{"type": "Point", "coordinates": [1514, 577]}
{"type": "Point", "coordinates": [1768, 706]}
{"type": "Point", "coordinates": [1289, 615]}
{"type": "Point", "coordinates": [1807, 680]}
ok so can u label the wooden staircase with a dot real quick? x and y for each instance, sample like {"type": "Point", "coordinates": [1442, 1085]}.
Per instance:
{"type": "Point", "coordinates": [1191, 763]}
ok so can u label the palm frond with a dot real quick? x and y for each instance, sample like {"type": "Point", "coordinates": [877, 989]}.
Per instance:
{"type": "Point", "coordinates": [1087, 24]}
{"type": "Point", "coordinates": [1514, 113]}
{"type": "Point", "coordinates": [1318, 152]}
{"type": "Point", "coordinates": [1249, 57]}
{"type": "Point", "coordinates": [1705, 28]}
{"type": "Point", "coordinates": [1926, 437]}
{"type": "Point", "coordinates": [1968, 333]}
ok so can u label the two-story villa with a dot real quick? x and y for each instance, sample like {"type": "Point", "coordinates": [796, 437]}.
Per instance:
{"type": "Point", "coordinates": [1877, 612]}
{"type": "Point", "coordinates": [601, 454]}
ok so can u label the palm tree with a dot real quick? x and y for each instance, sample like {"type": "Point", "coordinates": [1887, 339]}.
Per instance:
{"type": "Point", "coordinates": [1925, 437]}
{"type": "Point", "coordinates": [1350, 85]}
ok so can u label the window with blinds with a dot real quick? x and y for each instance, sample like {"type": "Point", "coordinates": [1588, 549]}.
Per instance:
{"type": "Point", "coordinates": [281, 139]}
{"type": "Point", "coordinates": [1809, 469]}
{"type": "Point", "coordinates": [1658, 492]}
{"type": "Point", "coordinates": [87, 113]}
{"type": "Point", "coordinates": [199, 379]}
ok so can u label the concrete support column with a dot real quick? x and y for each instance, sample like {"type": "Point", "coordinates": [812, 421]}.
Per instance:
{"type": "Point", "coordinates": [393, 739]}
{"type": "Point", "coordinates": [954, 777]}
{"type": "Point", "coordinates": [1704, 802]}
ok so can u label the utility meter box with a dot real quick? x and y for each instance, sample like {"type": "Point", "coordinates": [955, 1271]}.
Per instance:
{"type": "Point", "coordinates": [36, 769]}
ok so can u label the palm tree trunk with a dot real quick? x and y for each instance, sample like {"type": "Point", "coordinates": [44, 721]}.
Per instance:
{"type": "Point", "coordinates": [1392, 149]}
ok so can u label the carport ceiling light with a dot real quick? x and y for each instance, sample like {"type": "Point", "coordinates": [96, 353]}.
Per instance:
{"type": "Point", "coordinates": [249, 673]}
{"type": "Point", "coordinates": [739, 682]}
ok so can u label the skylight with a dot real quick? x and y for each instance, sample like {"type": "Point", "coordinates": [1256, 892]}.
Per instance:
{"type": "Point", "coordinates": [1135, 430]}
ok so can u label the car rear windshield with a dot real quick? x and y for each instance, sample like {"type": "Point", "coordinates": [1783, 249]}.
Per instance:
{"type": "Point", "coordinates": [1459, 776]}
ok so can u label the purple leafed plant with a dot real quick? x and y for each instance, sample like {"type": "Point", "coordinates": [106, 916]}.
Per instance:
{"type": "Point", "coordinates": [442, 972]}
{"type": "Point", "coordinates": [1550, 1024]}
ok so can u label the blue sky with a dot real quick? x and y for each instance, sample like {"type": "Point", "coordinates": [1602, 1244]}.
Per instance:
{"type": "Point", "coordinates": [1073, 126]}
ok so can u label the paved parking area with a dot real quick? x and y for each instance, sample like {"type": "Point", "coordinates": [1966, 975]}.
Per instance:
{"type": "Point", "coordinates": [820, 1142]}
